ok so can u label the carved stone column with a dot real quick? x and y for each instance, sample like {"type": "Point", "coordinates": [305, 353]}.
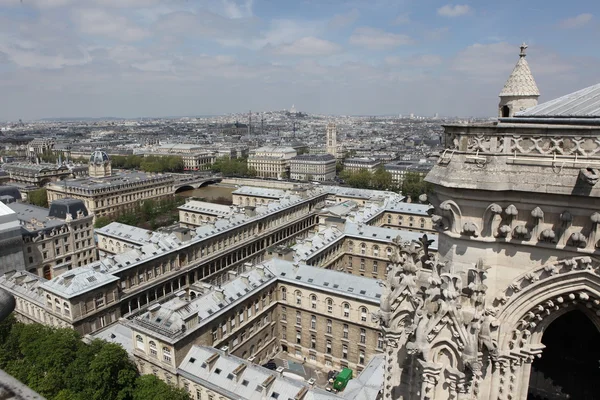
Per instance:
{"type": "Point", "coordinates": [430, 376]}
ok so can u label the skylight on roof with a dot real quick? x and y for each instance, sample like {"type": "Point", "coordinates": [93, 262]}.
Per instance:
{"type": "Point", "coordinates": [245, 382]}
{"type": "Point", "coordinates": [217, 371]}
{"type": "Point", "coordinates": [230, 376]}
{"type": "Point", "coordinates": [335, 286]}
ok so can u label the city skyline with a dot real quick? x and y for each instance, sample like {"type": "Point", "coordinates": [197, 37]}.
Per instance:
{"type": "Point", "coordinates": [152, 58]}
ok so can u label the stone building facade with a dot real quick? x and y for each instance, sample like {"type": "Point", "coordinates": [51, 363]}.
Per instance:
{"type": "Point", "coordinates": [510, 304]}
{"type": "Point", "coordinates": [321, 317]}
{"type": "Point", "coordinates": [105, 194]}
{"type": "Point", "coordinates": [309, 167]}
{"type": "Point", "coordinates": [53, 242]}
{"type": "Point", "coordinates": [271, 162]}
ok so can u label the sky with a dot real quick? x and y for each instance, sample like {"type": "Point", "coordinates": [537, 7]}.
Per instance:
{"type": "Point", "coordinates": [153, 58]}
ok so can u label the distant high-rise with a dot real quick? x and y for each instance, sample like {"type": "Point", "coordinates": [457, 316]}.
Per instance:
{"type": "Point", "coordinates": [332, 139]}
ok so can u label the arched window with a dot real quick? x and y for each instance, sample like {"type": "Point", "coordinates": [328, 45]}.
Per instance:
{"type": "Point", "coordinates": [376, 251]}
{"type": "Point", "coordinates": [363, 314]}
{"type": "Point", "coordinates": [313, 322]}
{"type": "Point", "coordinates": [422, 221]}
{"type": "Point", "coordinates": [350, 246]}
{"type": "Point", "coordinates": [166, 354]}
{"type": "Point", "coordinates": [400, 219]}
{"type": "Point", "coordinates": [388, 251]}
{"type": "Point", "coordinates": [298, 298]}
{"type": "Point", "coordinates": [346, 308]}
{"type": "Point", "coordinates": [66, 308]}
{"type": "Point", "coordinates": [139, 340]}
{"type": "Point", "coordinates": [363, 248]}
{"type": "Point", "coordinates": [329, 305]}
{"type": "Point", "coordinates": [313, 301]}
{"type": "Point", "coordinates": [152, 346]}
{"type": "Point", "coordinates": [283, 294]}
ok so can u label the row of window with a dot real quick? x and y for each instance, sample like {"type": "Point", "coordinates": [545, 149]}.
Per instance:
{"type": "Point", "coordinates": [329, 301]}
{"type": "Point", "coordinates": [152, 349]}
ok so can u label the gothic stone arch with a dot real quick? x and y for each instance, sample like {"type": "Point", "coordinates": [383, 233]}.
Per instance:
{"type": "Point", "coordinates": [526, 308]}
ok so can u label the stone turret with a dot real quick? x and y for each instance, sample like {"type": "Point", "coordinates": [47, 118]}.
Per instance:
{"type": "Point", "coordinates": [100, 165]}
{"type": "Point", "coordinates": [520, 91]}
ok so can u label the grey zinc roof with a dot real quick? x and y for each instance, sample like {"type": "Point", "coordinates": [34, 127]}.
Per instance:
{"type": "Point", "coordinates": [326, 279]}
{"type": "Point", "coordinates": [244, 386]}
{"type": "Point", "coordinates": [78, 281]}
{"type": "Point", "coordinates": [118, 333]}
{"type": "Point", "coordinates": [168, 319]}
{"type": "Point", "coordinates": [584, 103]}
{"type": "Point", "coordinates": [385, 234]}
{"type": "Point", "coordinates": [259, 191]}
{"type": "Point", "coordinates": [26, 212]}
{"type": "Point", "coordinates": [409, 208]}
{"type": "Point", "coordinates": [369, 383]}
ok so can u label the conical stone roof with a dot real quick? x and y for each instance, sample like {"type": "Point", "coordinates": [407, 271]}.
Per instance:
{"type": "Point", "coordinates": [520, 82]}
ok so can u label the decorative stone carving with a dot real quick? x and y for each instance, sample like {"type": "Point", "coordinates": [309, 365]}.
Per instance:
{"type": "Point", "coordinates": [491, 220]}
{"type": "Point", "coordinates": [443, 316]}
{"type": "Point", "coordinates": [470, 229]}
{"type": "Point", "coordinates": [595, 232]}
{"type": "Point", "coordinates": [589, 175]}
{"type": "Point", "coordinates": [578, 239]}
{"type": "Point", "coordinates": [566, 220]}
{"type": "Point", "coordinates": [453, 214]}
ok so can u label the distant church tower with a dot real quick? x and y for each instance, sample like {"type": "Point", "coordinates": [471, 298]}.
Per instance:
{"type": "Point", "coordinates": [520, 91]}
{"type": "Point", "coordinates": [332, 139]}
{"type": "Point", "coordinates": [100, 165]}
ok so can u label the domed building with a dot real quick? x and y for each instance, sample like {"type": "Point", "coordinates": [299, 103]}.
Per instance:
{"type": "Point", "coordinates": [100, 165]}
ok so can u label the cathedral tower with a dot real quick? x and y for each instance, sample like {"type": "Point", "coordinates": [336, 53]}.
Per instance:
{"type": "Point", "coordinates": [332, 139]}
{"type": "Point", "coordinates": [520, 91]}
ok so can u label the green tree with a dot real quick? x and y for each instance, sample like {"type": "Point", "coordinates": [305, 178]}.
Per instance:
{"type": "Point", "coordinates": [111, 374]}
{"type": "Point", "coordinates": [360, 179]}
{"type": "Point", "coordinates": [414, 185]}
{"type": "Point", "coordinates": [101, 222]}
{"type": "Point", "coordinates": [38, 197]}
{"type": "Point", "coordinates": [382, 179]}
{"type": "Point", "coordinates": [149, 387]}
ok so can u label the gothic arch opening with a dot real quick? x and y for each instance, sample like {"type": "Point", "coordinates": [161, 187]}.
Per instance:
{"type": "Point", "coordinates": [505, 111]}
{"type": "Point", "coordinates": [568, 368]}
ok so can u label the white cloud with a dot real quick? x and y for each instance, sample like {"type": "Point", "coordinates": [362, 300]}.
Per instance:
{"type": "Point", "coordinates": [343, 20]}
{"type": "Point", "coordinates": [307, 47]}
{"type": "Point", "coordinates": [95, 21]}
{"type": "Point", "coordinates": [437, 33]}
{"type": "Point", "coordinates": [495, 61]}
{"type": "Point", "coordinates": [576, 22]}
{"type": "Point", "coordinates": [234, 10]}
{"type": "Point", "coordinates": [454, 11]}
{"type": "Point", "coordinates": [401, 19]}
{"type": "Point", "coordinates": [419, 60]}
{"type": "Point", "coordinates": [377, 39]}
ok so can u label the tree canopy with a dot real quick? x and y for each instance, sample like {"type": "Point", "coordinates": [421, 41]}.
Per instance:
{"type": "Point", "coordinates": [364, 179]}
{"type": "Point", "coordinates": [232, 167]}
{"type": "Point", "coordinates": [414, 185]}
{"type": "Point", "coordinates": [149, 164]}
{"type": "Point", "coordinates": [58, 365]}
{"type": "Point", "coordinates": [38, 197]}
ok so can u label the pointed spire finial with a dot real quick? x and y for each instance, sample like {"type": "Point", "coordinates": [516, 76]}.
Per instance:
{"type": "Point", "coordinates": [523, 48]}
